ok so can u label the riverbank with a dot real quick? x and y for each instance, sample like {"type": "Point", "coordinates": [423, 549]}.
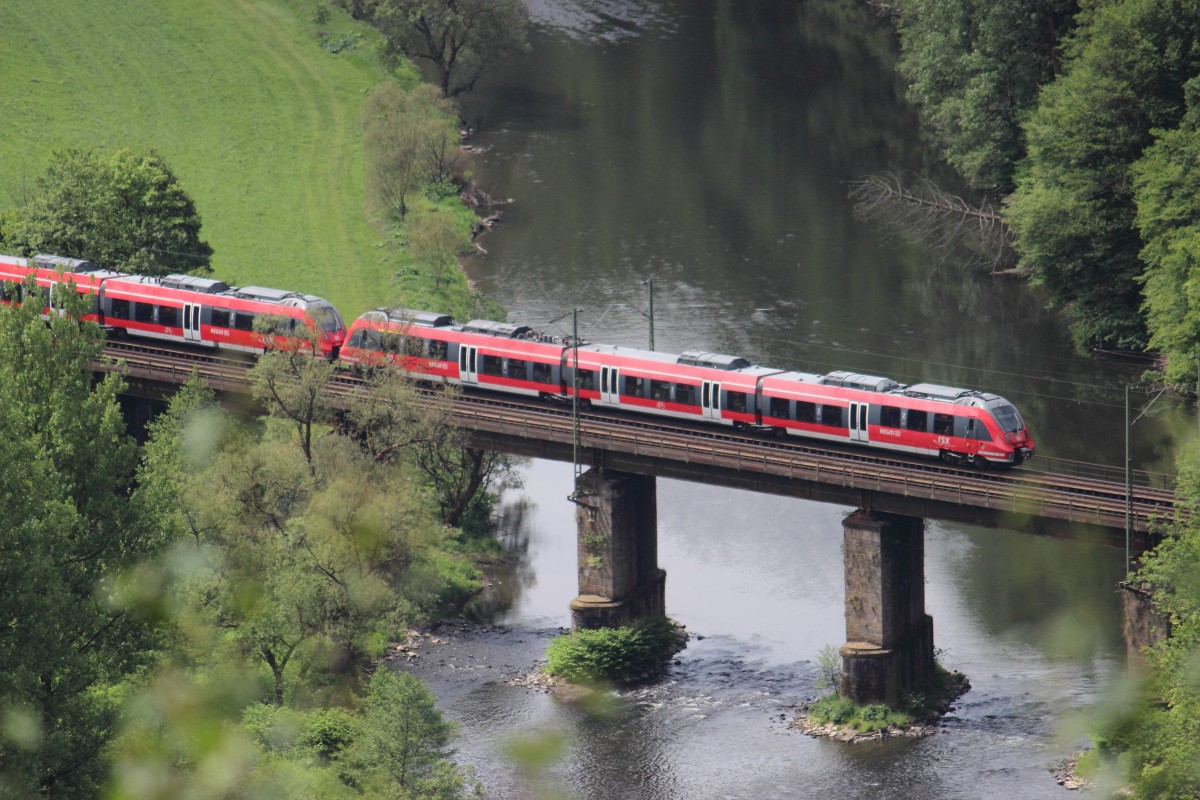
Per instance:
{"type": "Point", "coordinates": [927, 724]}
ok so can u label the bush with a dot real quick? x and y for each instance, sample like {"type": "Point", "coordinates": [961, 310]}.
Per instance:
{"type": "Point", "coordinates": [620, 655]}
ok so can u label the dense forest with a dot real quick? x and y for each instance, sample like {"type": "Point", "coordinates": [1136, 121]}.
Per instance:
{"type": "Point", "coordinates": [1083, 118]}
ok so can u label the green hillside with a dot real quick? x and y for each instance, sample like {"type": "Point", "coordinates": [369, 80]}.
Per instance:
{"type": "Point", "coordinates": [261, 125]}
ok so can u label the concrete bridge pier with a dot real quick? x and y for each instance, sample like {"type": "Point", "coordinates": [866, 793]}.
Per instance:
{"type": "Point", "coordinates": [619, 578]}
{"type": "Point", "coordinates": [889, 637]}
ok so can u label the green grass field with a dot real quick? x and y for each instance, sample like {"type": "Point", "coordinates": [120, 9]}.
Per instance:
{"type": "Point", "coordinates": [260, 124]}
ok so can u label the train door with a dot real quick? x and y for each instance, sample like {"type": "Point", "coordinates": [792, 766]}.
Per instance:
{"type": "Point", "coordinates": [54, 302]}
{"type": "Point", "coordinates": [468, 363]}
{"type": "Point", "coordinates": [191, 322]}
{"type": "Point", "coordinates": [858, 422]}
{"type": "Point", "coordinates": [610, 385]}
{"type": "Point", "coordinates": [710, 399]}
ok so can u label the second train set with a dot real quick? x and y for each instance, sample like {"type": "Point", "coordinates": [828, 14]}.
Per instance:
{"type": "Point", "coordinates": [959, 425]}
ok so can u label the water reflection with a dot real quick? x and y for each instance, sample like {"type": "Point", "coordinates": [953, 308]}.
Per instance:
{"type": "Point", "coordinates": [708, 144]}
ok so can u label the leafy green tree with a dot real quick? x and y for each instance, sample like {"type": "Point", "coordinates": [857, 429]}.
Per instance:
{"type": "Point", "coordinates": [1168, 218]}
{"type": "Point", "coordinates": [1153, 742]}
{"type": "Point", "coordinates": [290, 382]}
{"type": "Point", "coordinates": [402, 748]}
{"type": "Point", "coordinates": [975, 69]}
{"type": "Point", "coordinates": [66, 466]}
{"type": "Point", "coordinates": [1073, 210]}
{"type": "Point", "coordinates": [122, 210]}
{"type": "Point", "coordinates": [408, 134]}
{"type": "Point", "coordinates": [461, 39]}
{"type": "Point", "coordinates": [436, 239]}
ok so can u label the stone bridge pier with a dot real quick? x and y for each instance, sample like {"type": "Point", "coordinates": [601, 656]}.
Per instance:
{"type": "Point", "coordinates": [889, 637]}
{"type": "Point", "coordinates": [619, 577]}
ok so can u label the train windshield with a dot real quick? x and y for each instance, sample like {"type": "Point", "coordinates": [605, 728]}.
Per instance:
{"type": "Point", "coordinates": [326, 317]}
{"type": "Point", "coordinates": [1005, 414]}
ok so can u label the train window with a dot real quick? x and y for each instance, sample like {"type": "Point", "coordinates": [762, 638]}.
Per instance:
{"type": "Point", "coordinates": [143, 312]}
{"type": "Point", "coordinates": [806, 412]}
{"type": "Point", "coordinates": [120, 309]}
{"type": "Point", "coordinates": [518, 368]}
{"type": "Point", "coordinates": [356, 339]}
{"type": "Point", "coordinates": [943, 424]}
{"type": "Point", "coordinates": [917, 421]}
{"type": "Point", "coordinates": [832, 416]}
{"type": "Point", "coordinates": [243, 321]}
{"type": "Point", "coordinates": [685, 394]}
{"type": "Point", "coordinates": [390, 343]}
{"type": "Point", "coordinates": [587, 379]}
{"type": "Point", "coordinates": [490, 365]}
{"type": "Point", "coordinates": [889, 416]}
{"type": "Point", "coordinates": [978, 431]}
{"type": "Point", "coordinates": [735, 401]}
{"type": "Point", "coordinates": [168, 316]}
{"type": "Point", "coordinates": [437, 350]}
{"type": "Point", "coordinates": [372, 340]}
{"type": "Point", "coordinates": [660, 390]}
{"type": "Point", "coordinates": [541, 373]}
{"type": "Point", "coordinates": [220, 317]}
{"type": "Point", "coordinates": [778, 407]}
{"type": "Point", "coordinates": [634, 386]}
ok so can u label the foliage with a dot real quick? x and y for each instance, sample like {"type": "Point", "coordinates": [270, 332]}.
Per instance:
{"type": "Point", "coordinates": [618, 655]}
{"type": "Point", "coordinates": [975, 69]}
{"type": "Point", "coordinates": [437, 240]}
{"type": "Point", "coordinates": [1154, 739]}
{"type": "Point", "coordinates": [402, 747]}
{"type": "Point", "coordinates": [411, 139]}
{"type": "Point", "coordinates": [290, 382]}
{"type": "Point", "coordinates": [1168, 218]}
{"type": "Point", "coordinates": [122, 210]}
{"type": "Point", "coordinates": [829, 668]}
{"type": "Point", "coordinates": [1073, 210]}
{"type": "Point", "coordinates": [461, 39]}
{"type": "Point", "coordinates": [68, 530]}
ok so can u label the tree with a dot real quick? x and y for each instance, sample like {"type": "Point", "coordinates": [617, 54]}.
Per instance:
{"type": "Point", "coordinates": [436, 239]}
{"type": "Point", "coordinates": [402, 748]}
{"type": "Point", "coordinates": [1168, 218]}
{"type": "Point", "coordinates": [289, 380]}
{"type": "Point", "coordinates": [407, 135]}
{"type": "Point", "coordinates": [1073, 210]}
{"type": "Point", "coordinates": [68, 531]}
{"type": "Point", "coordinates": [975, 68]}
{"type": "Point", "coordinates": [121, 210]}
{"type": "Point", "coordinates": [461, 39]}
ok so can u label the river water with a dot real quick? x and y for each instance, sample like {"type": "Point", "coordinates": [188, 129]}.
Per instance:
{"type": "Point", "coordinates": [708, 145]}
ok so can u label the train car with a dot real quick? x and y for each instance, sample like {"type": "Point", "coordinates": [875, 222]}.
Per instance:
{"type": "Point", "coordinates": [958, 425]}
{"type": "Point", "coordinates": [53, 274]}
{"type": "Point", "coordinates": [493, 355]}
{"type": "Point", "coordinates": [211, 313]}
{"type": "Point", "coordinates": [710, 387]}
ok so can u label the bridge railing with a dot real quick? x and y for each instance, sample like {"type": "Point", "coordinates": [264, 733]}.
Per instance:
{"type": "Point", "coordinates": [1104, 472]}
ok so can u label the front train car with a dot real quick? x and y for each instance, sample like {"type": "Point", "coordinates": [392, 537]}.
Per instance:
{"type": "Point", "coordinates": [1014, 439]}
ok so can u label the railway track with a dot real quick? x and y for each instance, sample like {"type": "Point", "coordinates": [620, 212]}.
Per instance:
{"type": "Point", "coordinates": [1075, 492]}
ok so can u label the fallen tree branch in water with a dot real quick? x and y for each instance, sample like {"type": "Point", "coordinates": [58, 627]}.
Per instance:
{"type": "Point", "coordinates": [975, 236]}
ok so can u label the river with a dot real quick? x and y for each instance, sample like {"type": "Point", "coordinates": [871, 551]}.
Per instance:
{"type": "Point", "coordinates": [708, 145]}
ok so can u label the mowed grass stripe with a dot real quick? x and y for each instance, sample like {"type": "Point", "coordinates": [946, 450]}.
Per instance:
{"type": "Point", "coordinates": [261, 125]}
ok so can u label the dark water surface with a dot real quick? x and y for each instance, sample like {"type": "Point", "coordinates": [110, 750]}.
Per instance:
{"type": "Point", "coordinates": [708, 145]}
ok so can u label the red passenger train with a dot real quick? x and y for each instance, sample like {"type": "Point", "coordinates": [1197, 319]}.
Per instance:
{"type": "Point", "coordinates": [959, 425]}
{"type": "Point", "coordinates": [178, 308]}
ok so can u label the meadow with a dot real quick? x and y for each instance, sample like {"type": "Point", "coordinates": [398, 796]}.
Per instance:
{"type": "Point", "coordinates": [259, 122]}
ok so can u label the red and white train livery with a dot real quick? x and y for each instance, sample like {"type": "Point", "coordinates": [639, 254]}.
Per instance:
{"type": "Point", "coordinates": [179, 308]}
{"type": "Point", "coordinates": [960, 425]}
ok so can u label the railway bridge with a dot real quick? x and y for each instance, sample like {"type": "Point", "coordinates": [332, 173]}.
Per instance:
{"type": "Point", "coordinates": [889, 648]}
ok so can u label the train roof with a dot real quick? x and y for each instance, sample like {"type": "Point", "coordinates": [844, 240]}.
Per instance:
{"type": "Point", "coordinates": [866, 383]}
{"type": "Point", "coordinates": [192, 283]}
{"type": "Point", "coordinates": [410, 316]}
{"type": "Point", "coordinates": [504, 330]}
{"type": "Point", "coordinates": [933, 391]}
{"type": "Point", "coordinates": [64, 263]}
{"type": "Point", "coordinates": [699, 358]}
